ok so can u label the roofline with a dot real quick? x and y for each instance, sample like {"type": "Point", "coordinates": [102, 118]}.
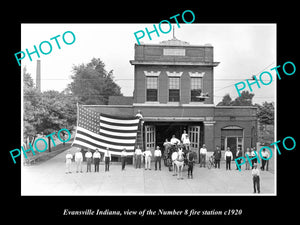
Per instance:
{"type": "Point", "coordinates": [169, 105]}
{"type": "Point", "coordinates": [240, 107]}
{"type": "Point", "coordinates": [109, 106]}
{"type": "Point", "coordinates": [178, 63]}
{"type": "Point", "coordinates": [166, 45]}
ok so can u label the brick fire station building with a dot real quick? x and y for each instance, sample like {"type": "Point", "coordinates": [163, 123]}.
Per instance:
{"type": "Point", "coordinates": [174, 89]}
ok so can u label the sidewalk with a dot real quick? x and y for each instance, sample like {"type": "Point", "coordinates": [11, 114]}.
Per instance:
{"type": "Point", "coordinates": [49, 178]}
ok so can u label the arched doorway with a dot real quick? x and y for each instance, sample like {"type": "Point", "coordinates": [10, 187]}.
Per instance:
{"type": "Point", "coordinates": [232, 137]}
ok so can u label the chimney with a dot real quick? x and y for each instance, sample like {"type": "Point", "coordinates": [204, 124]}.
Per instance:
{"type": "Point", "coordinates": [38, 75]}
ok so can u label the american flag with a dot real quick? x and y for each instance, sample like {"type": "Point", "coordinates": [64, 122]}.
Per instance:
{"type": "Point", "coordinates": [97, 130]}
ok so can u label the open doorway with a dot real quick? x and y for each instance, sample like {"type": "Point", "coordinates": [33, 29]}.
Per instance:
{"type": "Point", "coordinates": [232, 137]}
{"type": "Point", "coordinates": [232, 144]}
{"type": "Point", "coordinates": [164, 132]}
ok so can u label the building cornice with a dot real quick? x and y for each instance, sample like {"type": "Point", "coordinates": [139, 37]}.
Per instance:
{"type": "Point", "coordinates": [177, 119]}
{"type": "Point", "coordinates": [167, 63]}
{"type": "Point", "coordinates": [236, 107]}
{"type": "Point", "coordinates": [173, 105]}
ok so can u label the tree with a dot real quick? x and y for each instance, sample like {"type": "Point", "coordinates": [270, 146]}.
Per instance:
{"type": "Point", "coordinates": [244, 100]}
{"type": "Point", "coordinates": [226, 101]}
{"type": "Point", "coordinates": [47, 112]}
{"type": "Point", "coordinates": [265, 113]}
{"type": "Point", "coordinates": [31, 102]}
{"type": "Point", "coordinates": [57, 111]}
{"type": "Point", "coordinates": [92, 84]}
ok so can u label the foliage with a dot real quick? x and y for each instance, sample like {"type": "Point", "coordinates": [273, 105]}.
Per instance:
{"type": "Point", "coordinates": [49, 111]}
{"type": "Point", "coordinates": [226, 101]}
{"type": "Point", "coordinates": [265, 112]}
{"type": "Point", "coordinates": [46, 112]}
{"type": "Point", "coordinates": [92, 84]}
{"type": "Point", "coordinates": [244, 100]}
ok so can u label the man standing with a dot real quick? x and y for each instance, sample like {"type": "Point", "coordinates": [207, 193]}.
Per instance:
{"type": "Point", "coordinates": [267, 164]}
{"type": "Point", "coordinates": [190, 162]}
{"type": "Point", "coordinates": [174, 140]}
{"type": "Point", "coordinates": [239, 154]}
{"type": "Point", "coordinates": [174, 157]}
{"type": "Point", "coordinates": [203, 152]}
{"type": "Point", "coordinates": [96, 157]}
{"type": "Point", "coordinates": [88, 156]}
{"type": "Point", "coordinates": [138, 153]}
{"type": "Point", "coordinates": [107, 159]}
{"type": "Point", "coordinates": [179, 163]}
{"type": "Point", "coordinates": [252, 155]}
{"type": "Point", "coordinates": [123, 158]}
{"type": "Point", "coordinates": [255, 177]}
{"type": "Point", "coordinates": [217, 155]}
{"type": "Point", "coordinates": [148, 156]}
{"type": "Point", "coordinates": [247, 162]}
{"type": "Point", "coordinates": [167, 146]}
{"type": "Point", "coordinates": [265, 155]}
{"type": "Point", "coordinates": [69, 158]}
{"type": "Point", "coordinates": [157, 157]}
{"type": "Point", "coordinates": [185, 140]}
{"type": "Point", "coordinates": [78, 160]}
{"type": "Point", "coordinates": [228, 157]}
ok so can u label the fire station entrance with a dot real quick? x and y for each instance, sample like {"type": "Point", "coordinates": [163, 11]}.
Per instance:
{"type": "Point", "coordinates": [155, 134]}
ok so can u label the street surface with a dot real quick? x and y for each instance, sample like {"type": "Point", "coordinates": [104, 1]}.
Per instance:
{"type": "Point", "coordinates": [49, 178]}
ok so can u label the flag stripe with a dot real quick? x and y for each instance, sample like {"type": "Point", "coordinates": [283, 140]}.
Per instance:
{"type": "Point", "coordinates": [124, 143]}
{"type": "Point", "coordinates": [117, 132]}
{"type": "Point", "coordinates": [118, 140]}
{"type": "Point", "coordinates": [117, 124]}
{"type": "Point", "coordinates": [121, 143]}
{"type": "Point", "coordinates": [123, 122]}
{"type": "Point", "coordinates": [118, 117]}
{"type": "Point", "coordinates": [118, 128]}
{"type": "Point", "coordinates": [104, 135]}
{"type": "Point", "coordinates": [107, 131]}
{"type": "Point", "coordinates": [91, 146]}
{"type": "Point", "coordinates": [103, 146]}
{"type": "Point", "coordinates": [107, 135]}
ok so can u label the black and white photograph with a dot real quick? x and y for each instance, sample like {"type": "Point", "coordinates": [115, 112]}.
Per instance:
{"type": "Point", "coordinates": [148, 109]}
{"type": "Point", "coordinates": [150, 113]}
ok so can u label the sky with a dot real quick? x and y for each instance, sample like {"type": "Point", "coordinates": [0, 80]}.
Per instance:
{"type": "Point", "coordinates": [243, 50]}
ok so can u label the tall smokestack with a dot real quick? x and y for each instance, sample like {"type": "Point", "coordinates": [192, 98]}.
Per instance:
{"type": "Point", "coordinates": [38, 75]}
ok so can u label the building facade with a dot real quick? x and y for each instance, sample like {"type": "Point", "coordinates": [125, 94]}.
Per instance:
{"type": "Point", "coordinates": [174, 89]}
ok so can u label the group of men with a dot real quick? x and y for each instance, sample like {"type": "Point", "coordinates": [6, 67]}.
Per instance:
{"type": "Point", "coordinates": [91, 157]}
{"type": "Point", "coordinates": [217, 155]}
{"type": "Point", "coordinates": [177, 159]}
{"type": "Point", "coordinates": [146, 156]}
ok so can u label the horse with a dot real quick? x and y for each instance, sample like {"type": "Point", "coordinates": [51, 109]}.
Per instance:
{"type": "Point", "coordinates": [172, 149]}
{"type": "Point", "coordinates": [169, 149]}
{"type": "Point", "coordinates": [179, 163]}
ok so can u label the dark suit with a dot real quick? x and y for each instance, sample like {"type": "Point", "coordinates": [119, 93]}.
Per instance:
{"type": "Point", "coordinates": [217, 155]}
{"type": "Point", "coordinates": [238, 154]}
{"type": "Point", "coordinates": [190, 162]}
